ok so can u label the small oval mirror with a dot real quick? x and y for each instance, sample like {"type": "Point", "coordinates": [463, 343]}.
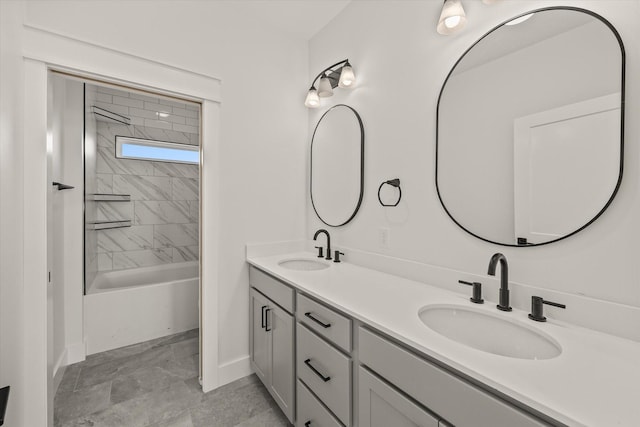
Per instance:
{"type": "Point", "coordinates": [337, 165]}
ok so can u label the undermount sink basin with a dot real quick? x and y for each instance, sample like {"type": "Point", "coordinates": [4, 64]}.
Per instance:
{"type": "Point", "coordinates": [489, 333]}
{"type": "Point", "coordinates": [303, 264]}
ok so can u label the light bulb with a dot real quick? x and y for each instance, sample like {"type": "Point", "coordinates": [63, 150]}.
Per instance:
{"type": "Point", "coordinates": [452, 21]}
{"type": "Point", "coordinates": [324, 87]}
{"type": "Point", "coordinates": [452, 17]}
{"type": "Point", "coordinates": [312, 100]}
{"type": "Point", "coordinates": [347, 76]}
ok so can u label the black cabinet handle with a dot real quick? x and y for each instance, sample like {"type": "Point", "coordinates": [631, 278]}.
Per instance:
{"type": "Point", "coordinates": [318, 321]}
{"type": "Point", "coordinates": [308, 363]}
{"type": "Point", "coordinates": [307, 424]}
{"type": "Point", "coordinates": [266, 320]}
{"type": "Point", "coordinates": [262, 321]}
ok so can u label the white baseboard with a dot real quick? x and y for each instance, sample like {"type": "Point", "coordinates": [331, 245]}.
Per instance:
{"type": "Point", "coordinates": [59, 363]}
{"type": "Point", "coordinates": [234, 370]}
{"type": "Point", "coordinates": [76, 353]}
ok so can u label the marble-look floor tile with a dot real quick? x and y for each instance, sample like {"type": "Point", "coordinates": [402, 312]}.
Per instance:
{"type": "Point", "coordinates": [163, 405]}
{"type": "Point", "coordinates": [128, 414]}
{"type": "Point", "coordinates": [71, 405]}
{"type": "Point", "coordinates": [230, 409]}
{"type": "Point", "coordinates": [269, 418]}
{"type": "Point", "coordinates": [186, 348]}
{"type": "Point", "coordinates": [139, 382]}
{"type": "Point", "coordinates": [183, 419]}
{"type": "Point", "coordinates": [69, 379]}
{"type": "Point", "coordinates": [109, 370]}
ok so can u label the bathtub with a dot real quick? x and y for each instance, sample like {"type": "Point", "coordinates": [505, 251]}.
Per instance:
{"type": "Point", "coordinates": [125, 307]}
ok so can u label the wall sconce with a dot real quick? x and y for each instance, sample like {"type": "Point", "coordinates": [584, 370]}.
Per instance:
{"type": "Point", "coordinates": [452, 17]}
{"type": "Point", "coordinates": [339, 74]}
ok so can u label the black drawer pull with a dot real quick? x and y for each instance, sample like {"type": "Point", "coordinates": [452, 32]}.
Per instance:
{"type": "Point", "coordinates": [262, 321]}
{"type": "Point", "coordinates": [308, 363]}
{"type": "Point", "coordinates": [307, 424]}
{"type": "Point", "coordinates": [319, 322]}
{"type": "Point", "coordinates": [266, 320]}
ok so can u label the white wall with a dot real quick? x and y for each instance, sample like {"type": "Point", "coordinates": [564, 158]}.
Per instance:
{"type": "Point", "coordinates": [263, 137]}
{"type": "Point", "coordinates": [11, 212]}
{"type": "Point", "coordinates": [401, 62]}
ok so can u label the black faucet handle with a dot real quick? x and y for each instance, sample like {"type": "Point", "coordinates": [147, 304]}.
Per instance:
{"type": "Point", "coordinates": [320, 254]}
{"type": "Point", "coordinates": [477, 291]}
{"type": "Point", "coordinates": [336, 255]}
{"type": "Point", "coordinates": [537, 308]}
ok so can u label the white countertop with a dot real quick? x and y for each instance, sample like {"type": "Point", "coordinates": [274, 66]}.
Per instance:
{"type": "Point", "coordinates": [595, 381]}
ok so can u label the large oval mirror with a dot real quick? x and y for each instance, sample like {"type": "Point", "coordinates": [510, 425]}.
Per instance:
{"type": "Point", "coordinates": [337, 165]}
{"type": "Point", "coordinates": [530, 127]}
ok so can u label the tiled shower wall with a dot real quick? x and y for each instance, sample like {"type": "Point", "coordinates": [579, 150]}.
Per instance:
{"type": "Point", "coordinates": [164, 202]}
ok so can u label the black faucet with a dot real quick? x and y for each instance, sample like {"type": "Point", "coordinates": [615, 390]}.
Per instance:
{"type": "Point", "coordinates": [503, 303]}
{"type": "Point", "coordinates": [315, 236]}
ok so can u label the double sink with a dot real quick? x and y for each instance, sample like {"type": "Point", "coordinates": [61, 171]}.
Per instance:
{"type": "Point", "coordinates": [475, 328]}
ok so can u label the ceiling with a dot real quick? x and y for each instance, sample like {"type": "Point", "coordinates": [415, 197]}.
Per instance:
{"type": "Point", "coordinates": [300, 18]}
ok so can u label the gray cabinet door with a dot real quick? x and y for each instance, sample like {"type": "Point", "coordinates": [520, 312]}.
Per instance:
{"type": "Point", "coordinates": [282, 386]}
{"type": "Point", "coordinates": [382, 406]}
{"type": "Point", "coordinates": [259, 340]}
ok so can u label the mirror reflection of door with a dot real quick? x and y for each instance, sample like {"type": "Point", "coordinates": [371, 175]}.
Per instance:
{"type": "Point", "coordinates": [552, 192]}
{"type": "Point", "coordinates": [559, 59]}
{"type": "Point", "coordinates": [337, 153]}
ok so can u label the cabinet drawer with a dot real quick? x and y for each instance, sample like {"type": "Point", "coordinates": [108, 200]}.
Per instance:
{"type": "Point", "coordinates": [326, 371]}
{"type": "Point", "coordinates": [433, 387]}
{"type": "Point", "coordinates": [311, 413]}
{"type": "Point", "coordinates": [382, 406]}
{"type": "Point", "coordinates": [277, 291]}
{"type": "Point", "coordinates": [325, 321]}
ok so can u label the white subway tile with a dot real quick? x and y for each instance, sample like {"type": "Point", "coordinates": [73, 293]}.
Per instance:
{"type": "Point", "coordinates": [184, 128]}
{"type": "Point", "coordinates": [119, 100]}
{"type": "Point", "coordinates": [157, 124]}
{"type": "Point", "coordinates": [104, 97]}
{"type": "Point", "coordinates": [175, 119]}
{"type": "Point", "coordinates": [137, 121]}
{"type": "Point", "coordinates": [145, 114]}
{"type": "Point", "coordinates": [180, 111]}
{"type": "Point", "coordinates": [111, 91]}
{"type": "Point", "coordinates": [157, 107]}
{"type": "Point", "coordinates": [193, 122]}
{"type": "Point", "coordinates": [143, 97]}
{"type": "Point", "coordinates": [119, 109]}
{"type": "Point", "coordinates": [192, 106]}
{"type": "Point", "coordinates": [172, 103]}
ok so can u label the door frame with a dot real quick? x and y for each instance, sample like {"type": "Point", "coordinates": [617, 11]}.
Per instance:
{"type": "Point", "coordinates": [46, 51]}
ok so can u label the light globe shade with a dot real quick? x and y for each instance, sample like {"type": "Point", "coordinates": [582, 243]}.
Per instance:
{"type": "Point", "coordinates": [324, 87]}
{"type": "Point", "coordinates": [347, 77]}
{"type": "Point", "coordinates": [452, 17]}
{"type": "Point", "coordinates": [312, 100]}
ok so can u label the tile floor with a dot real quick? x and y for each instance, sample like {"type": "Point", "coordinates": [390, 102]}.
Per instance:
{"type": "Point", "coordinates": [155, 383]}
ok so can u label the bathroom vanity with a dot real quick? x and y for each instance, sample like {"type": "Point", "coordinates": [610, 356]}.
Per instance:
{"type": "Point", "coordinates": [342, 345]}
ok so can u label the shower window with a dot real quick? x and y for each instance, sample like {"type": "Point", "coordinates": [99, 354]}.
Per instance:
{"type": "Point", "coordinates": [157, 151]}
